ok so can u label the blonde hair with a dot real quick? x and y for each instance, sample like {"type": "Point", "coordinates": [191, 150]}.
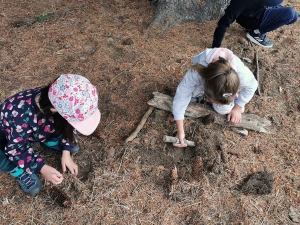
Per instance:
{"type": "Point", "coordinates": [221, 82]}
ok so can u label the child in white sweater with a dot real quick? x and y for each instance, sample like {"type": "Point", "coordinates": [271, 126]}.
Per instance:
{"type": "Point", "coordinates": [218, 75]}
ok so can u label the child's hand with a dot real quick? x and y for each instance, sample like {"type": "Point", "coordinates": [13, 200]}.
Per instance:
{"type": "Point", "coordinates": [67, 162]}
{"type": "Point", "coordinates": [235, 116]}
{"type": "Point", "coordinates": [180, 136]}
{"type": "Point", "coordinates": [51, 174]}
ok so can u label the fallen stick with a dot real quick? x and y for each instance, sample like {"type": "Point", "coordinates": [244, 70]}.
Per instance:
{"type": "Point", "coordinates": [257, 73]}
{"type": "Point", "coordinates": [175, 140]}
{"type": "Point", "coordinates": [140, 125]}
{"type": "Point", "coordinates": [232, 152]}
{"type": "Point", "coordinates": [196, 110]}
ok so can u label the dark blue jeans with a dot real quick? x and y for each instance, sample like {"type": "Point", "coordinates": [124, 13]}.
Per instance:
{"type": "Point", "coordinates": [5, 164]}
{"type": "Point", "coordinates": [277, 16]}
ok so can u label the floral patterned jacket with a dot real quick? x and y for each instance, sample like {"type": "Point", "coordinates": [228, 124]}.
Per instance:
{"type": "Point", "coordinates": [23, 123]}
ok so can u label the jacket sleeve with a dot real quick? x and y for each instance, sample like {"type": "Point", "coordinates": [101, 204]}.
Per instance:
{"type": "Point", "coordinates": [184, 94]}
{"type": "Point", "coordinates": [234, 9]}
{"type": "Point", "coordinates": [19, 150]}
{"type": "Point", "coordinates": [248, 83]}
{"type": "Point", "coordinates": [69, 146]}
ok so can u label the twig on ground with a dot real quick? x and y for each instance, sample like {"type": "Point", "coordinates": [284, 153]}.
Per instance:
{"type": "Point", "coordinates": [191, 205]}
{"type": "Point", "coordinates": [119, 74]}
{"type": "Point", "coordinates": [124, 206]}
{"type": "Point", "coordinates": [279, 218]}
{"type": "Point", "coordinates": [122, 160]}
{"type": "Point", "coordinates": [232, 142]}
{"type": "Point", "coordinates": [259, 209]}
{"type": "Point", "coordinates": [140, 125]}
{"type": "Point", "coordinates": [109, 124]}
{"type": "Point", "coordinates": [40, 222]}
{"type": "Point", "coordinates": [273, 199]}
{"type": "Point", "coordinates": [124, 70]}
{"type": "Point", "coordinates": [194, 130]}
{"type": "Point", "coordinates": [257, 72]}
{"type": "Point", "coordinates": [232, 152]}
{"type": "Point", "coordinates": [147, 221]}
{"type": "Point", "coordinates": [136, 187]}
{"type": "Point", "coordinates": [257, 69]}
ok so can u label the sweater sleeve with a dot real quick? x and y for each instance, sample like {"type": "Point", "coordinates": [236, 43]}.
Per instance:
{"type": "Point", "coordinates": [248, 83]}
{"type": "Point", "coordinates": [184, 93]}
{"type": "Point", "coordinates": [18, 148]}
{"type": "Point", "coordinates": [69, 146]}
{"type": "Point", "coordinates": [235, 8]}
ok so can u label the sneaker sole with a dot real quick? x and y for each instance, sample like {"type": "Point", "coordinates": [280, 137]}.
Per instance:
{"type": "Point", "coordinates": [256, 42]}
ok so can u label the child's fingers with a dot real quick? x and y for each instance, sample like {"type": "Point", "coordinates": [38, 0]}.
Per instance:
{"type": "Point", "coordinates": [64, 168]}
{"type": "Point", "coordinates": [56, 179]}
{"type": "Point", "coordinates": [58, 174]}
{"type": "Point", "coordinates": [76, 170]}
{"type": "Point", "coordinates": [229, 117]}
{"type": "Point", "coordinates": [72, 171]}
{"type": "Point", "coordinates": [180, 145]}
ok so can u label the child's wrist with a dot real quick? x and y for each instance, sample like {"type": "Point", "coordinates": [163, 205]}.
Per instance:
{"type": "Point", "coordinates": [66, 152]}
{"type": "Point", "coordinates": [236, 106]}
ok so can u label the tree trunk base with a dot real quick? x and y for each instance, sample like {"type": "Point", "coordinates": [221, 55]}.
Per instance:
{"type": "Point", "coordinates": [171, 12]}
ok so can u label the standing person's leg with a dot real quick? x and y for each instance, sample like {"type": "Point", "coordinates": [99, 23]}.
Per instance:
{"type": "Point", "coordinates": [29, 183]}
{"type": "Point", "coordinates": [273, 18]}
{"type": "Point", "coordinates": [277, 16]}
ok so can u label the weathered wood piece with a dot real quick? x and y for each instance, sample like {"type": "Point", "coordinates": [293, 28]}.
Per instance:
{"type": "Point", "coordinates": [140, 125]}
{"type": "Point", "coordinates": [175, 140]}
{"type": "Point", "coordinates": [240, 130]}
{"type": "Point", "coordinates": [249, 121]}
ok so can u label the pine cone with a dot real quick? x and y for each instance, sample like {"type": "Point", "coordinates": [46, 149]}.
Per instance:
{"type": "Point", "coordinates": [198, 168]}
{"type": "Point", "coordinates": [174, 175]}
{"type": "Point", "coordinates": [60, 197]}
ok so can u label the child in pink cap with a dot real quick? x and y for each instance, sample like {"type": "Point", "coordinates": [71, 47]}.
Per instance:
{"type": "Point", "coordinates": [50, 115]}
{"type": "Point", "coordinates": [216, 74]}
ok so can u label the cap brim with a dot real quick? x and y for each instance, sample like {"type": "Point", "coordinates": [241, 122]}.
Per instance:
{"type": "Point", "coordinates": [89, 125]}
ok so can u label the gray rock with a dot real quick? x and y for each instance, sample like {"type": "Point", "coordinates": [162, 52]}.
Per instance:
{"type": "Point", "coordinates": [170, 12]}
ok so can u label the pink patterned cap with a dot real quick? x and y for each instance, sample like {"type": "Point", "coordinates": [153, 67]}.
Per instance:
{"type": "Point", "coordinates": [76, 100]}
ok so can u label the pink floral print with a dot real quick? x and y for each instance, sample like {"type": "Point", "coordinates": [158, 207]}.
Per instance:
{"type": "Point", "coordinates": [22, 123]}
